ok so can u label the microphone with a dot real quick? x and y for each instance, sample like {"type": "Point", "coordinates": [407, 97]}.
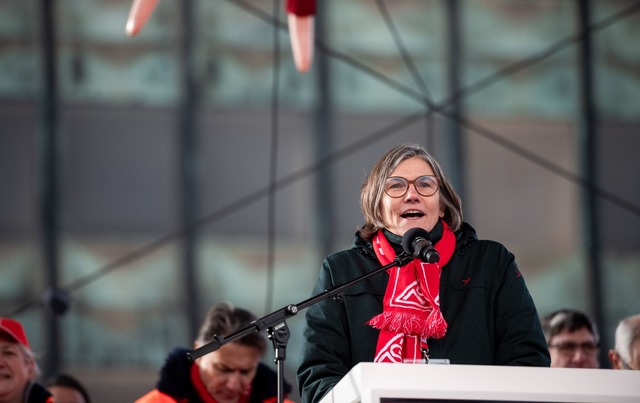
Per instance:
{"type": "Point", "coordinates": [417, 243]}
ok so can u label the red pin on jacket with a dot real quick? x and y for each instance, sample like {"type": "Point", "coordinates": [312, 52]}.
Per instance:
{"type": "Point", "coordinates": [300, 18]}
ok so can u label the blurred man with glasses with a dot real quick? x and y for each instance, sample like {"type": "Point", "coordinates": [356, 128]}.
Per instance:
{"type": "Point", "coordinates": [626, 354]}
{"type": "Point", "coordinates": [572, 338]}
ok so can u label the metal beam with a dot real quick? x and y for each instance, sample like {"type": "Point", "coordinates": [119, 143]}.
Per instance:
{"type": "Point", "coordinates": [455, 135]}
{"type": "Point", "coordinates": [587, 147]}
{"type": "Point", "coordinates": [188, 160]}
{"type": "Point", "coordinates": [323, 132]}
{"type": "Point", "coordinates": [48, 135]}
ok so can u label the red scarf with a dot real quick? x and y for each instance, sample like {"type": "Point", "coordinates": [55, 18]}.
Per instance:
{"type": "Point", "coordinates": [411, 307]}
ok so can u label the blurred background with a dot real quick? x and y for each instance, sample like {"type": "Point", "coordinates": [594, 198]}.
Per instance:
{"type": "Point", "coordinates": [143, 179]}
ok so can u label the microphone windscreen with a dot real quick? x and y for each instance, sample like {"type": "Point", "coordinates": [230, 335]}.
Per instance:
{"type": "Point", "coordinates": [411, 235]}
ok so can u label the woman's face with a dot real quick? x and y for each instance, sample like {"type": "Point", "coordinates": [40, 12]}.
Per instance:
{"type": "Point", "coordinates": [15, 370]}
{"type": "Point", "coordinates": [411, 210]}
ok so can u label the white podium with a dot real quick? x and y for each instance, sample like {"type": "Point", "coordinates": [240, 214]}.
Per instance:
{"type": "Point", "coordinates": [414, 383]}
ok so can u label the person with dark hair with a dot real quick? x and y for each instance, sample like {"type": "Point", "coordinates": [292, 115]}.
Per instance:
{"type": "Point", "coordinates": [18, 367]}
{"type": "Point", "coordinates": [67, 389]}
{"type": "Point", "coordinates": [231, 374]}
{"type": "Point", "coordinates": [572, 338]}
{"type": "Point", "coordinates": [470, 307]}
{"type": "Point", "coordinates": [626, 353]}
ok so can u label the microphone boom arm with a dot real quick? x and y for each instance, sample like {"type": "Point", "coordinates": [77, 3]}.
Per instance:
{"type": "Point", "coordinates": [288, 311]}
{"type": "Point", "coordinates": [276, 326]}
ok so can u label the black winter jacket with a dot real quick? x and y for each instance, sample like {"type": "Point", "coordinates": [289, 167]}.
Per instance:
{"type": "Point", "coordinates": [37, 393]}
{"type": "Point", "coordinates": [491, 317]}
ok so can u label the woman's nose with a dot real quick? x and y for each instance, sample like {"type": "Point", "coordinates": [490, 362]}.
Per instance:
{"type": "Point", "coordinates": [412, 193]}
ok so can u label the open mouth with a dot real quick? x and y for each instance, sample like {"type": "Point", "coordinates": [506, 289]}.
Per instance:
{"type": "Point", "coordinates": [412, 214]}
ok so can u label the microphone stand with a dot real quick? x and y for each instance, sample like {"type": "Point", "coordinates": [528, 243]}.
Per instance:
{"type": "Point", "coordinates": [276, 325]}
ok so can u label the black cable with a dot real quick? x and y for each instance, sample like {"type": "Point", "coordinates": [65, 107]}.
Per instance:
{"type": "Point", "coordinates": [408, 61]}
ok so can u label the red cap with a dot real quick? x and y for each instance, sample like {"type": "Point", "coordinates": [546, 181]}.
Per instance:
{"type": "Point", "coordinates": [14, 329]}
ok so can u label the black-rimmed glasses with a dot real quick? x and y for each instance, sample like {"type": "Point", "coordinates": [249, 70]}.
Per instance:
{"type": "Point", "coordinates": [397, 186]}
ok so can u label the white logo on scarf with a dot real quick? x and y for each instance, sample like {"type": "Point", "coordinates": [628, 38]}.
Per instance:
{"type": "Point", "coordinates": [392, 351]}
{"type": "Point", "coordinates": [411, 298]}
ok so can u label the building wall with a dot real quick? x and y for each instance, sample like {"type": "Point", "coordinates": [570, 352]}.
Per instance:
{"type": "Point", "coordinates": [121, 238]}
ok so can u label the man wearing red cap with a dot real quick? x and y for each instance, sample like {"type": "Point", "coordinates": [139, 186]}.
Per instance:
{"type": "Point", "coordinates": [18, 368]}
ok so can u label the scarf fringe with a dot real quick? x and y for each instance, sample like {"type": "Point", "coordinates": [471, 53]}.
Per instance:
{"type": "Point", "coordinates": [436, 324]}
{"type": "Point", "coordinates": [432, 325]}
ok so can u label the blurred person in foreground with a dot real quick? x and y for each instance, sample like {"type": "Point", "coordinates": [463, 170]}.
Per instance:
{"type": "Point", "coordinates": [67, 389]}
{"type": "Point", "coordinates": [18, 367]}
{"type": "Point", "coordinates": [572, 338]}
{"type": "Point", "coordinates": [626, 353]}
{"type": "Point", "coordinates": [231, 374]}
{"type": "Point", "coordinates": [470, 307]}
